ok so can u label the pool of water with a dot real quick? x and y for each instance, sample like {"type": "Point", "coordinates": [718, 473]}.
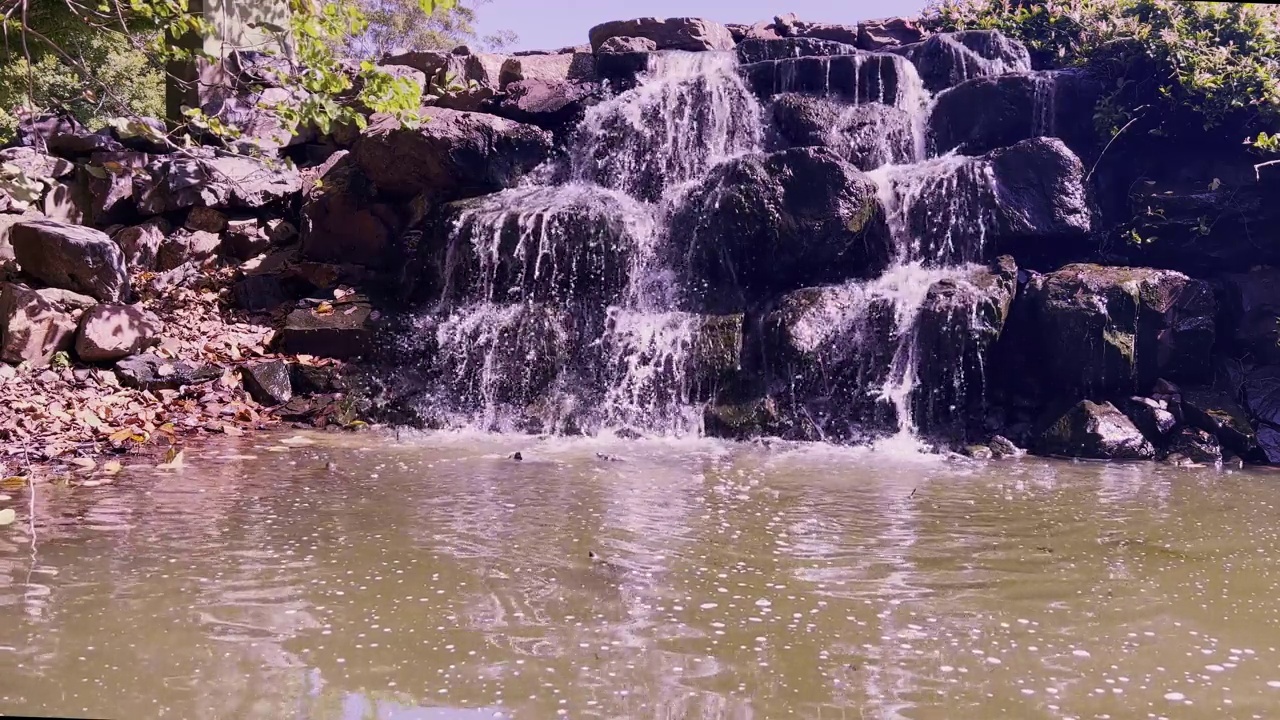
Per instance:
{"type": "Point", "coordinates": [432, 576]}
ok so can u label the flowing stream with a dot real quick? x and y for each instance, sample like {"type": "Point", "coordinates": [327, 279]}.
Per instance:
{"type": "Point", "coordinates": [357, 576]}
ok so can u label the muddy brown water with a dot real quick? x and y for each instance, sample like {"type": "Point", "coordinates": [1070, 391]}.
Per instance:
{"type": "Point", "coordinates": [433, 577]}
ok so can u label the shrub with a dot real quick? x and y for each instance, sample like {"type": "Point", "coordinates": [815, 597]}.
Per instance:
{"type": "Point", "coordinates": [1178, 68]}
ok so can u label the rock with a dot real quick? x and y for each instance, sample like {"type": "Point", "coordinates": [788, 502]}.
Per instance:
{"type": "Point", "coordinates": [68, 202]}
{"type": "Point", "coordinates": [867, 135]}
{"type": "Point", "coordinates": [7, 221]}
{"type": "Point", "coordinates": [878, 35]}
{"type": "Point", "coordinates": [214, 180]}
{"type": "Point", "coordinates": [268, 382]}
{"type": "Point", "coordinates": [761, 225]}
{"type": "Point", "coordinates": [452, 155]}
{"type": "Point", "coordinates": [1252, 303]}
{"type": "Point", "coordinates": [744, 419]}
{"type": "Point", "coordinates": [759, 50]}
{"type": "Point", "coordinates": [346, 332]}
{"type": "Point", "coordinates": [112, 181]}
{"type": "Point", "coordinates": [1002, 447]}
{"type": "Point", "coordinates": [1095, 431]}
{"type": "Point", "coordinates": [1150, 416]}
{"type": "Point", "coordinates": [621, 71]}
{"type": "Point", "coordinates": [35, 164]}
{"type": "Point", "coordinates": [431, 63]}
{"type": "Point", "coordinates": [619, 44]}
{"type": "Point", "coordinates": [568, 67]}
{"type": "Point", "coordinates": [792, 27]}
{"type": "Point", "coordinates": [141, 243]}
{"type": "Point", "coordinates": [259, 293]}
{"type": "Point", "coordinates": [1118, 329]}
{"type": "Point", "coordinates": [978, 452]}
{"type": "Point", "coordinates": [71, 257]}
{"type": "Point", "coordinates": [1261, 398]}
{"type": "Point", "coordinates": [948, 59]}
{"type": "Point", "coordinates": [245, 238]}
{"type": "Point", "coordinates": [112, 332]}
{"type": "Point", "coordinates": [1196, 445]}
{"type": "Point", "coordinates": [35, 131]}
{"type": "Point", "coordinates": [152, 373]}
{"type": "Point", "coordinates": [31, 329]}
{"type": "Point", "coordinates": [554, 106]}
{"type": "Point", "coordinates": [690, 34]}
{"type": "Point", "coordinates": [1215, 412]}
{"type": "Point", "coordinates": [79, 144]}
{"type": "Point", "coordinates": [203, 219]}
{"type": "Point", "coordinates": [986, 113]}
{"type": "Point", "coordinates": [343, 219]}
{"type": "Point", "coordinates": [185, 246]}
{"type": "Point", "coordinates": [860, 78]}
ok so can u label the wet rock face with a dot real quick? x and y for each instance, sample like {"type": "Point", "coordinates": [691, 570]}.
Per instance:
{"type": "Point", "coordinates": [268, 382]}
{"type": "Point", "coordinates": [948, 59]}
{"type": "Point", "coordinates": [1196, 445]}
{"type": "Point", "coordinates": [1117, 329]}
{"type": "Point", "coordinates": [857, 78]}
{"type": "Point", "coordinates": [451, 155]}
{"type": "Point", "coordinates": [1152, 417]}
{"type": "Point", "coordinates": [766, 224]}
{"type": "Point", "coordinates": [1217, 413]}
{"type": "Point", "coordinates": [690, 34]}
{"type": "Point", "coordinates": [1253, 312]}
{"type": "Point", "coordinates": [868, 135]}
{"type": "Point", "coordinates": [758, 50]}
{"type": "Point", "coordinates": [1042, 198]}
{"type": "Point", "coordinates": [71, 257]}
{"type": "Point", "coordinates": [346, 330]}
{"type": "Point", "coordinates": [1095, 431]}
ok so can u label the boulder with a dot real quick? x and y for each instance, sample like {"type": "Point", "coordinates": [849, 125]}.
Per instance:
{"type": "Point", "coordinates": [876, 35]}
{"type": "Point", "coordinates": [622, 71]}
{"type": "Point", "coordinates": [431, 63]}
{"type": "Point", "coordinates": [35, 164]}
{"type": "Point", "coordinates": [1152, 417]}
{"type": "Point", "coordinates": [555, 106]}
{"type": "Point", "coordinates": [452, 155]}
{"type": "Point", "coordinates": [7, 221]}
{"type": "Point", "coordinates": [343, 219]}
{"type": "Point", "coordinates": [268, 383]}
{"type": "Point", "coordinates": [859, 78]}
{"type": "Point", "coordinates": [986, 113]}
{"type": "Point", "coordinates": [1043, 205]}
{"type": "Point", "coordinates": [790, 26]}
{"type": "Point", "coordinates": [1217, 413]}
{"type": "Point", "coordinates": [759, 50]}
{"type": "Point", "coordinates": [1118, 329]}
{"type": "Point", "coordinates": [619, 44]}
{"type": "Point", "coordinates": [112, 332]}
{"type": "Point", "coordinates": [69, 201]}
{"type": "Point", "coordinates": [245, 238]}
{"type": "Point", "coordinates": [567, 67]}
{"type": "Point", "coordinates": [71, 257]}
{"type": "Point", "coordinates": [690, 34]}
{"type": "Point", "coordinates": [32, 329]}
{"type": "Point", "coordinates": [345, 332]}
{"type": "Point", "coordinates": [152, 373]}
{"type": "Point", "coordinates": [1252, 303]}
{"type": "Point", "coordinates": [948, 59]}
{"type": "Point", "coordinates": [259, 293]}
{"type": "Point", "coordinates": [761, 225]}
{"type": "Point", "coordinates": [205, 219]}
{"type": "Point", "coordinates": [141, 243]}
{"type": "Point", "coordinates": [216, 180]}
{"type": "Point", "coordinates": [868, 135]}
{"type": "Point", "coordinates": [1196, 445]}
{"type": "Point", "coordinates": [1261, 397]}
{"type": "Point", "coordinates": [113, 182]}
{"type": "Point", "coordinates": [186, 246]}
{"type": "Point", "coordinates": [1095, 431]}
{"type": "Point", "coordinates": [1002, 447]}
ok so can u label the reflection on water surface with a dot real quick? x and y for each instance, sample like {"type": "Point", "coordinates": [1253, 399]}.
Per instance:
{"type": "Point", "coordinates": [436, 578]}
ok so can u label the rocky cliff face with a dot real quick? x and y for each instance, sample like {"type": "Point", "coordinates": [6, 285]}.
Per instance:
{"type": "Point", "coordinates": [788, 228]}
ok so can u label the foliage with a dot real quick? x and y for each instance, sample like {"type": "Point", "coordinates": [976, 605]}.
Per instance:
{"type": "Point", "coordinates": [1179, 67]}
{"type": "Point", "coordinates": [403, 25]}
{"type": "Point", "coordinates": [99, 58]}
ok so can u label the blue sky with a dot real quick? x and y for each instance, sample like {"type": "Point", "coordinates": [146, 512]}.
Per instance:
{"type": "Point", "coordinates": [546, 24]}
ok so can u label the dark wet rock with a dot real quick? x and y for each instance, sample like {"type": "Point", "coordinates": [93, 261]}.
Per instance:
{"type": "Point", "coordinates": [1118, 329]}
{"type": "Point", "coordinates": [766, 224]}
{"type": "Point", "coordinates": [71, 257]}
{"type": "Point", "coordinates": [268, 382]}
{"type": "Point", "coordinates": [1252, 302]}
{"type": "Point", "coordinates": [1152, 417]}
{"type": "Point", "coordinates": [32, 329]}
{"type": "Point", "coordinates": [858, 78]}
{"type": "Point", "coordinates": [1042, 198]}
{"type": "Point", "coordinates": [757, 50]}
{"type": "Point", "coordinates": [959, 324]}
{"type": "Point", "coordinates": [141, 243]}
{"type": "Point", "coordinates": [564, 67]}
{"type": "Point", "coordinates": [551, 105]}
{"type": "Point", "coordinates": [1196, 445]}
{"type": "Point", "coordinates": [259, 293]}
{"type": "Point", "coordinates": [868, 135]}
{"type": "Point", "coordinates": [346, 332]}
{"type": "Point", "coordinates": [986, 113]}
{"type": "Point", "coordinates": [1216, 412]}
{"type": "Point", "coordinates": [622, 70]}
{"type": "Point", "coordinates": [978, 452]}
{"type": "Point", "coordinates": [690, 34]}
{"type": "Point", "coordinates": [888, 33]}
{"type": "Point", "coordinates": [111, 332]}
{"type": "Point", "coordinates": [1002, 447]}
{"type": "Point", "coordinates": [1261, 398]}
{"type": "Point", "coordinates": [451, 155]}
{"type": "Point", "coordinates": [343, 218]}
{"type": "Point", "coordinates": [619, 44]}
{"type": "Point", "coordinates": [744, 418]}
{"type": "Point", "coordinates": [152, 372]}
{"type": "Point", "coordinates": [186, 246]}
{"type": "Point", "coordinates": [1095, 431]}
{"type": "Point", "coordinates": [948, 59]}
{"type": "Point", "coordinates": [556, 245]}
{"type": "Point", "coordinates": [516, 456]}
{"type": "Point", "coordinates": [214, 180]}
